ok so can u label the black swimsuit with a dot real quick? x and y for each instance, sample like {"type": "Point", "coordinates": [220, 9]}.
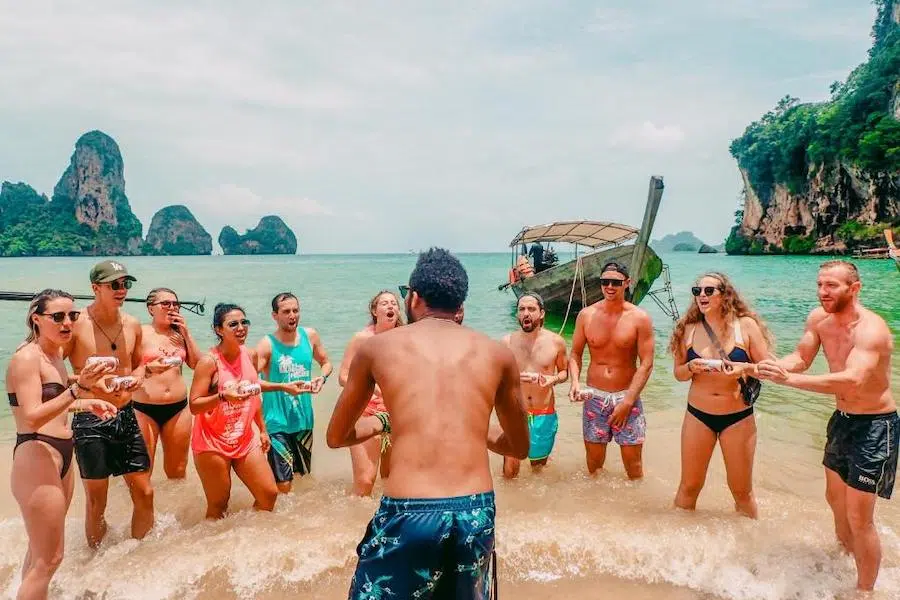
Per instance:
{"type": "Point", "coordinates": [719, 423]}
{"type": "Point", "coordinates": [65, 446]}
{"type": "Point", "coordinates": [161, 413]}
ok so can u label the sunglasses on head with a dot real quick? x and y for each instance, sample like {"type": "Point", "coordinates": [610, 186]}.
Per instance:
{"type": "Point", "coordinates": [234, 324]}
{"type": "Point", "coordinates": [611, 281]}
{"type": "Point", "coordinates": [118, 285]}
{"type": "Point", "coordinates": [167, 303]}
{"type": "Point", "coordinates": [59, 317]}
{"type": "Point", "coordinates": [708, 290]}
{"type": "Point", "coordinates": [404, 290]}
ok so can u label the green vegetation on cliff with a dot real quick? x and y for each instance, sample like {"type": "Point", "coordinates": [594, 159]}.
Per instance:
{"type": "Point", "coordinates": [856, 126]}
{"type": "Point", "coordinates": [88, 215]}
{"type": "Point", "coordinates": [30, 225]}
{"type": "Point", "coordinates": [838, 160]}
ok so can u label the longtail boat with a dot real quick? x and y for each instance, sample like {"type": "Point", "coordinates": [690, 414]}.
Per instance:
{"type": "Point", "coordinates": [566, 288]}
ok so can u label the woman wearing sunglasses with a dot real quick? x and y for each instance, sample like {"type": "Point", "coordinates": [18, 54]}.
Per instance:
{"type": "Point", "coordinates": [226, 404]}
{"type": "Point", "coordinates": [384, 314]}
{"type": "Point", "coordinates": [161, 404]}
{"type": "Point", "coordinates": [717, 342]}
{"type": "Point", "coordinates": [39, 397]}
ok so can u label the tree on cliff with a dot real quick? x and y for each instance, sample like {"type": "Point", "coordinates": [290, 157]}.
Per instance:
{"type": "Point", "coordinates": [857, 127]}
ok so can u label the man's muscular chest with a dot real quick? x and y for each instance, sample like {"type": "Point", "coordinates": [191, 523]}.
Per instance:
{"type": "Point", "coordinates": [836, 344]}
{"type": "Point", "coordinates": [610, 333]}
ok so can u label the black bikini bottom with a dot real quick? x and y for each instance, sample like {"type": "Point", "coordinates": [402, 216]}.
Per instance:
{"type": "Point", "coordinates": [719, 423]}
{"type": "Point", "coordinates": [65, 447]}
{"type": "Point", "coordinates": [161, 413]}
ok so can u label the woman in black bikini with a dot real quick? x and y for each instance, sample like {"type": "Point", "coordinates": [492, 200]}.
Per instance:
{"type": "Point", "coordinates": [40, 395]}
{"type": "Point", "coordinates": [161, 404]}
{"type": "Point", "coordinates": [716, 409]}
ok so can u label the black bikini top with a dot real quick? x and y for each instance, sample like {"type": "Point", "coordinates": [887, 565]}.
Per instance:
{"type": "Point", "coordinates": [49, 391]}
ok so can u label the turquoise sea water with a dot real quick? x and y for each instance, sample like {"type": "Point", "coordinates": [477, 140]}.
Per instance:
{"type": "Point", "coordinates": [561, 534]}
{"type": "Point", "coordinates": [335, 289]}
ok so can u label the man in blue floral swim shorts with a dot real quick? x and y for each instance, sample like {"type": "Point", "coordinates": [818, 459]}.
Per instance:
{"type": "Point", "coordinates": [619, 335]}
{"type": "Point", "coordinates": [433, 534]}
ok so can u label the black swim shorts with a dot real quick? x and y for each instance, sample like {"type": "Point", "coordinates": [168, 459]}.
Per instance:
{"type": "Point", "coordinates": [109, 448]}
{"type": "Point", "coordinates": [290, 453]}
{"type": "Point", "coordinates": [862, 449]}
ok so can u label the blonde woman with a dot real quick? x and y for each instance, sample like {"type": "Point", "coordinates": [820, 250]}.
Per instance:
{"type": "Point", "coordinates": [715, 345]}
{"type": "Point", "coordinates": [385, 314]}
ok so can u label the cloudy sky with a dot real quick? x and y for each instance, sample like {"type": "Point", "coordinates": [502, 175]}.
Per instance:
{"type": "Point", "coordinates": [388, 128]}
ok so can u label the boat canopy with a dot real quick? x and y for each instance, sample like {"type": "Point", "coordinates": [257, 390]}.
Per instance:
{"type": "Point", "coordinates": [592, 234]}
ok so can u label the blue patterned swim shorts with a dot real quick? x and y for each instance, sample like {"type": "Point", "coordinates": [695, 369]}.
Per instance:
{"type": "Point", "coordinates": [429, 548]}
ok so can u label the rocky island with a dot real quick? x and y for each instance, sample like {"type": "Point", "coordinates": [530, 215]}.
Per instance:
{"type": "Point", "coordinates": [175, 231]}
{"type": "Point", "coordinates": [825, 177]}
{"type": "Point", "coordinates": [270, 236]}
{"type": "Point", "coordinates": [89, 215]}
{"type": "Point", "coordinates": [683, 241]}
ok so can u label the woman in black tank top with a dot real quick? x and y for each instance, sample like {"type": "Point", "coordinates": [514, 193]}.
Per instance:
{"type": "Point", "coordinates": [39, 396]}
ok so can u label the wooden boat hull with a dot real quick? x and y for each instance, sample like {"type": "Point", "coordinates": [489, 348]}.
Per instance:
{"type": "Point", "coordinates": [555, 284]}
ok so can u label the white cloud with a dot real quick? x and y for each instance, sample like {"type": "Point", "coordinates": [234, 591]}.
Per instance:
{"type": "Point", "coordinates": [611, 21]}
{"type": "Point", "coordinates": [504, 110]}
{"type": "Point", "coordinates": [648, 136]}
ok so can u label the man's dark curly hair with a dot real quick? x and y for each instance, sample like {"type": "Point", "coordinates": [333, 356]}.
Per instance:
{"type": "Point", "coordinates": [440, 279]}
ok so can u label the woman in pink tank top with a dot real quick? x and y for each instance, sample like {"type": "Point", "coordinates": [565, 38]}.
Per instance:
{"type": "Point", "coordinates": [229, 431]}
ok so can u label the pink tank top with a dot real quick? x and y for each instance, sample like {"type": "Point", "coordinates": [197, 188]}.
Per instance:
{"type": "Point", "coordinates": [228, 428]}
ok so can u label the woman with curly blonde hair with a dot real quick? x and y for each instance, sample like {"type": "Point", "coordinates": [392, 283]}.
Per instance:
{"type": "Point", "coordinates": [718, 410]}
{"type": "Point", "coordinates": [385, 314]}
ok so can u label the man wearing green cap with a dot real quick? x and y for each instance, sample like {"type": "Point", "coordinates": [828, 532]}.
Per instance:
{"type": "Point", "coordinates": [113, 447]}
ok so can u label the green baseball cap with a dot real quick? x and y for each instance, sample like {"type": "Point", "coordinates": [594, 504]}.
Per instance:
{"type": "Point", "coordinates": [108, 271]}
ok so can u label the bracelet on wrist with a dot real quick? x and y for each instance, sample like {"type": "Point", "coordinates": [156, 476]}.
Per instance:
{"type": "Point", "coordinates": [385, 421]}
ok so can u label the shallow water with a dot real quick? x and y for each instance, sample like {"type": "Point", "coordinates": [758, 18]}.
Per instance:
{"type": "Point", "coordinates": [561, 534]}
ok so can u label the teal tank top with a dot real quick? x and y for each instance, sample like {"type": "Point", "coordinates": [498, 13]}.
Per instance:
{"type": "Point", "coordinates": [285, 413]}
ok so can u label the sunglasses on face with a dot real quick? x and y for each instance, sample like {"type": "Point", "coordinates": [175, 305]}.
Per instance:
{"type": "Point", "coordinates": [404, 290]}
{"type": "Point", "coordinates": [59, 317]}
{"type": "Point", "coordinates": [167, 304]}
{"type": "Point", "coordinates": [119, 285]}
{"type": "Point", "coordinates": [708, 290]}
{"type": "Point", "coordinates": [611, 281]}
{"type": "Point", "coordinates": [234, 324]}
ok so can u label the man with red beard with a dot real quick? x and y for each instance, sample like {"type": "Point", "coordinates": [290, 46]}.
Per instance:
{"type": "Point", "coordinates": [541, 357]}
{"type": "Point", "coordinates": [864, 432]}
{"type": "Point", "coordinates": [618, 334]}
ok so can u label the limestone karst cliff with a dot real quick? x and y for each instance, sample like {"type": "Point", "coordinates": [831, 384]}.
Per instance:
{"type": "Point", "coordinates": [270, 236]}
{"type": "Point", "coordinates": [825, 177]}
{"type": "Point", "coordinates": [175, 231]}
{"type": "Point", "coordinates": [89, 213]}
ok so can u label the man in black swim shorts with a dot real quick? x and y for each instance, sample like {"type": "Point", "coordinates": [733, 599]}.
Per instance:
{"type": "Point", "coordinates": [864, 432]}
{"type": "Point", "coordinates": [115, 447]}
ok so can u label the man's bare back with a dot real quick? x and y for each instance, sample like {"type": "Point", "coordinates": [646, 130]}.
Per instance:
{"type": "Point", "coordinates": [440, 382]}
